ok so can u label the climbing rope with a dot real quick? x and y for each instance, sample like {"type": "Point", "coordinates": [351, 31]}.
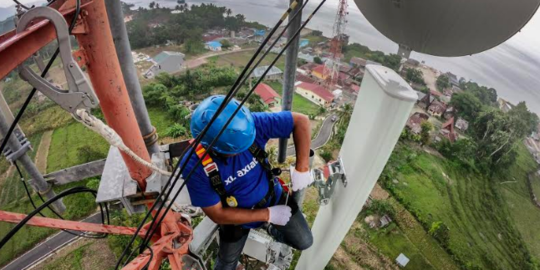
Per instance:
{"type": "Point", "coordinates": [96, 125]}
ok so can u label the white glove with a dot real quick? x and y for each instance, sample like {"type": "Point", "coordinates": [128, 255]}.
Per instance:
{"type": "Point", "coordinates": [279, 214]}
{"type": "Point", "coordinates": [300, 180]}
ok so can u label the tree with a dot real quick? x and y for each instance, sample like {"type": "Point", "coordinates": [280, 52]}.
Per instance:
{"type": "Point", "coordinates": [415, 76]}
{"type": "Point", "coordinates": [225, 44]}
{"type": "Point", "coordinates": [317, 60]}
{"type": "Point", "coordinates": [441, 232]}
{"type": "Point", "coordinates": [153, 93]}
{"type": "Point", "coordinates": [425, 132]}
{"type": "Point", "coordinates": [392, 61]}
{"type": "Point", "coordinates": [322, 110]}
{"type": "Point", "coordinates": [466, 105]}
{"type": "Point", "coordinates": [152, 5]}
{"type": "Point", "coordinates": [175, 131]}
{"type": "Point", "coordinates": [442, 82]}
{"type": "Point", "coordinates": [326, 154]}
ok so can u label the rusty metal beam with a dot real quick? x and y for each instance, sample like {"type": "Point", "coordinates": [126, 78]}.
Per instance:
{"type": "Point", "coordinates": [106, 76]}
{"type": "Point", "coordinates": [16, 48]}
{"type": "Point", "coordinates": [68, 224]}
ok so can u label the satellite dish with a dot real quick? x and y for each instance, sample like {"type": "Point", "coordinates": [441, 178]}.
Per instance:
{"type": "Point", "coordinates": [448, 27]}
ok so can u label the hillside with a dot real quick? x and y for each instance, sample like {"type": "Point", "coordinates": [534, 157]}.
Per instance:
{"type": "Point", "coordinates": [489, 222]}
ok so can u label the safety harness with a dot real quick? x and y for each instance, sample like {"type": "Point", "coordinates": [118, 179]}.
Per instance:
{"type": "Point", "coordinates": [212, 171]}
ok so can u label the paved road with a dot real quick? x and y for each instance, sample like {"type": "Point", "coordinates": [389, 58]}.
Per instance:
{"type": "Point", "coordinates": [322, 138]}
{"type": "Point", "coordinates": [50, 245]}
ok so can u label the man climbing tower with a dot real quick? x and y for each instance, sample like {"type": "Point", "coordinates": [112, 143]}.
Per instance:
{"type": "Point", "coordinates": [235, 185]}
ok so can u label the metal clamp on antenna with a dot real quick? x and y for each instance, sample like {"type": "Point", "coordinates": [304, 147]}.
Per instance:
{"type": "Point", "coordinates": [80, 94]}
{"type": "Point", "coordinates": [326, 187]}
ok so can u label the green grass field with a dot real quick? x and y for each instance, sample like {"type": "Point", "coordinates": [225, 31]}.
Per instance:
{"type": "Point", "coordinates": [392, 241]}
{"type": "Point", "coordinates": [240, 59]}
{"type": "Point", "coordinates": [160, 119]}
{"type": "Point", "coordinates": [49, 119]}
{"type": "Point", "coordinates": [526, 216]}
{"type": "Point", "coordinates": [536, 185]}
{"type": "Point", "coordinates": [11, 190]}
{"type": "Point", "coordinates": [302, 105]}
{"type": "Point", "coordinates": [482, 233]}
{"type": "Point", "coordinates": [66, 142]}
{"type": "Point", "coordinates": [14, 199]}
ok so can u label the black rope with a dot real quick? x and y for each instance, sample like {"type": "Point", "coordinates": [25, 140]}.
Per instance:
{"type": "Point", "coordinates": [234, 91]}
{"type": "Point", "coordinates": [23, 222]}
{"type": "Point", "coordinates": [227, 99]}
{"type": "Point", "coordinates": [234, 113]}
{"type": "Point", "coordinates": [85, 235]}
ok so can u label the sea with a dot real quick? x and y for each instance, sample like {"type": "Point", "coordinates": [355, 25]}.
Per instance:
{"type": "Point", "coordinates": [513, 68]}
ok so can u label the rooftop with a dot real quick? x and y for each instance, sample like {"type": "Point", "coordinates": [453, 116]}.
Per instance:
{"type": "Point", "coordinates": [164, 55]}
{"type": "Point", "coordinates": [317, 89]}
{"type": "Point", "coordinates": [214, 44]}
{"type": "Point", "coordinates": [267, 93]}
{"type": "Point", "coordinates": [258, 72]}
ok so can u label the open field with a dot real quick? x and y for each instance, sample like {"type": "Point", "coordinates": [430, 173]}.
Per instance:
{"type": "Point", "coordinates": [302, 105]}
{"type": "Point", "coordinates": [515, 192]}
{"type": "Point", "coordinates": [536, 185]}
{"type": "Point", "coordinates": [240, 59]}
{"type": "Point", "coordinates": [481, 230]}
{"type": "Point", "coordinates": [160, 119]}
{"type": "Point", "coordinates": [85, 254]}
{"type": "Point", "coordinates": [67, 142]}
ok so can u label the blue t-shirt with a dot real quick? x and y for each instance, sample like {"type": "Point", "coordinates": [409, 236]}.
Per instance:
{"type": "Point", "coordinates": [243, 177]}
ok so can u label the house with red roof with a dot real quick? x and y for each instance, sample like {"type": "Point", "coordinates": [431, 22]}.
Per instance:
{"type": "Point", "coordinates": [315, 93]}
{"type": "Point", "coordinates": [448, 130]}
{"type": "Point", "coordinates": [321, 72]}
{"type": "Point", "coordinates": [268, 95]}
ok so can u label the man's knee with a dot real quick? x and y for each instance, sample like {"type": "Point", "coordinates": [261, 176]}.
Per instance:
{"type": "Point", "coordinates": [305, 242]}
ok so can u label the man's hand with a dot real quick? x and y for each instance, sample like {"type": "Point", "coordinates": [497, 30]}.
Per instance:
{"type": "Point", "coordinates": [300, 180]}
{"type": "Point", "coordinates": [279, 214]}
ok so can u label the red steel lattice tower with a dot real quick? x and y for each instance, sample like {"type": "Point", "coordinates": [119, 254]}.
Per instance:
{"type": "Point", "coordinates": [331, 70]}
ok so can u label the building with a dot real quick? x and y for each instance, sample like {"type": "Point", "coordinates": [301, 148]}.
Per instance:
{"type": "Point", "coordinates": [211, 37]}
{"type": "Point", "coordinates": [273, 74]}
{"type": "Point", "coordinates": [306, 57]}
{"type": "Point", "coordinates": [462, 124]}
{"type": "Point", "coordinates": [452, 78]}
{"type": "Point", "coordinates": [414, 124]}
{"type": "Point", "coordinates": [435, 93]}
{"type": "Point", "coordinates": [448, 130]}
{"type": "Point", "coordinates": [505, 105]}
{"type": "Point", "coordinates": [448, 92]}
{"type": "Point", "coordinates": [449, 113]}
{"type": "Point", "coordinates": [426, 101]}
{"type": "Point", "coordinates": [304, 42]}
{"type": "Point", "coordinates": [358, 62]}
{"type": "Point", "coordinates": [321, 72]}
{"type": "Point", "coordinates": [355, 88]}
{"type": "Point", "coordinates": [436, 108]}
{"type": "Point", "coordinates": [213, 46]}
{"type": "Point", "coordinates": [268, 95]}
{"type": "Point", "coordinates": [420, 96]}
{"type": "Point", "coordinates": [314, 93]}
{"type": "Point", "coordinates": [165, 61]}
{"type": "Point", "coordinates": [402, 260]}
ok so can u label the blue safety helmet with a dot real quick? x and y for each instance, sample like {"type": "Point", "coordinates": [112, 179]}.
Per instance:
{"type": "Point", "coordinates": [239, 134]}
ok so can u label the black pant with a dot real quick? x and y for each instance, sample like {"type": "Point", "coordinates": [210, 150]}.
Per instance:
{"type": "Point", "coordinates": [295, 233]}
